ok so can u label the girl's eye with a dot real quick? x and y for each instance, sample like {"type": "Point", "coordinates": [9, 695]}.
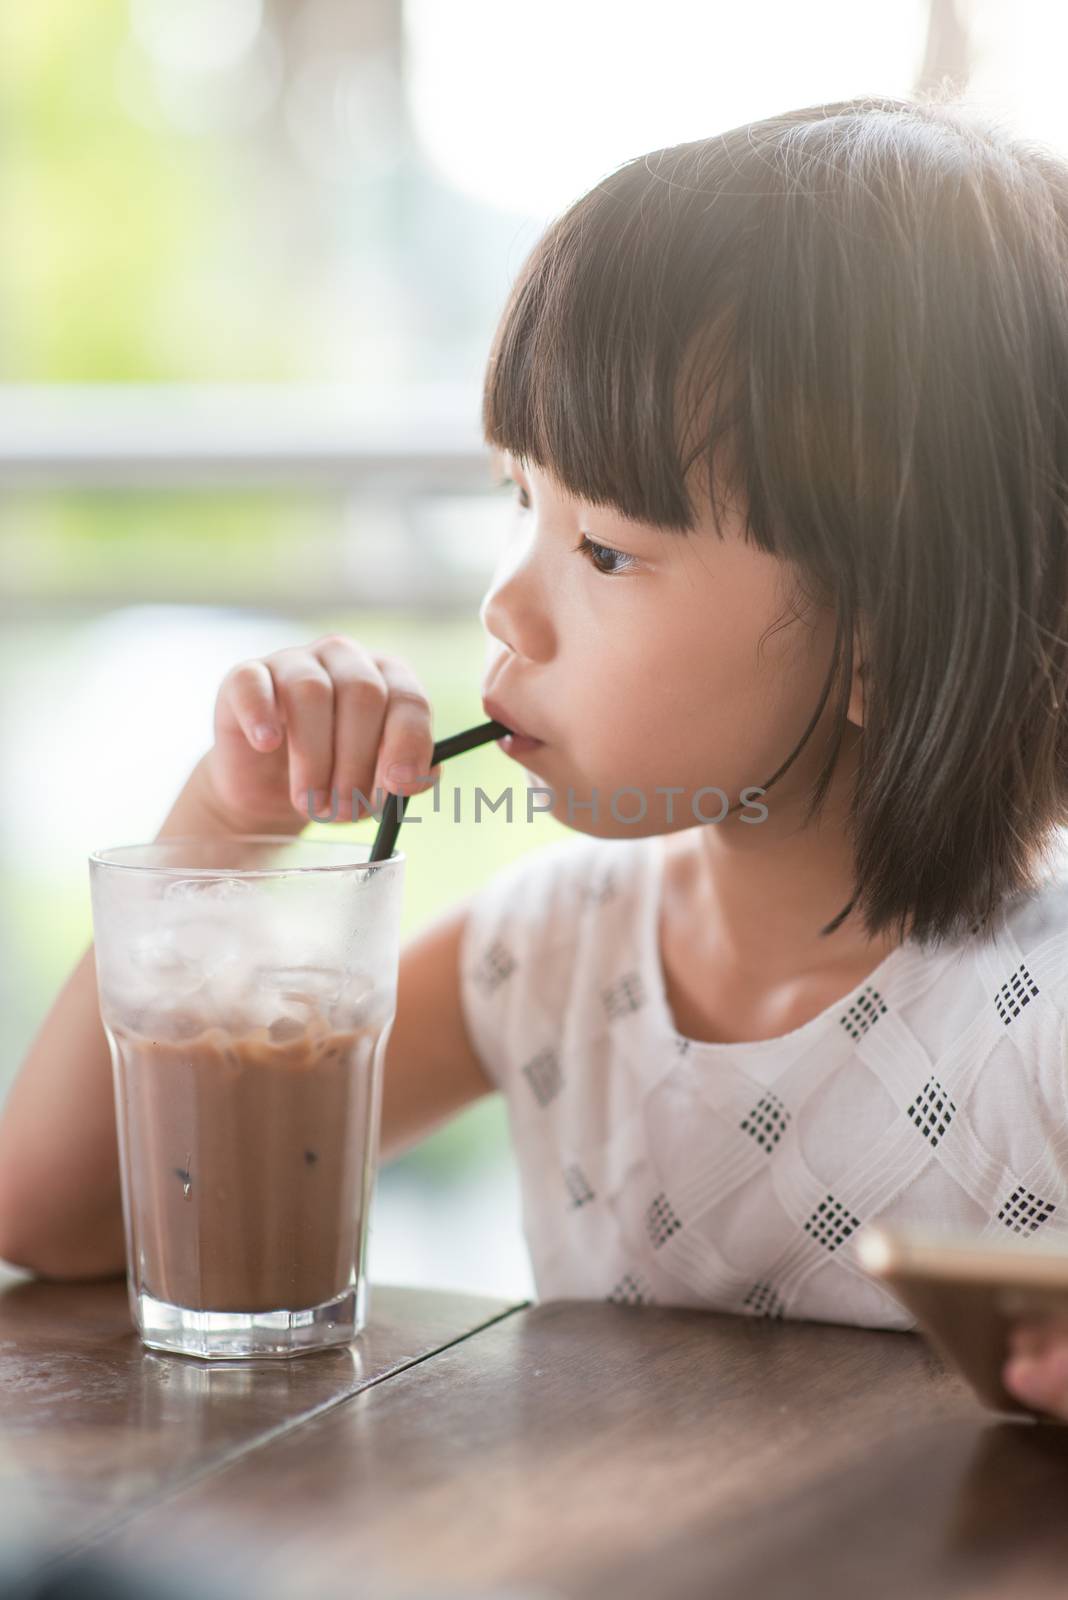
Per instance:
{"type": "Point", "coordinates": [524, 498]}
{"type": "Point", "coordinates": [595, 553]}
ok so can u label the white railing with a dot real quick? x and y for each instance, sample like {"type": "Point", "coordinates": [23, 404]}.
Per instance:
{"type": "Point", "coordinates": [395, 462]}
{"type": "Point", "coordinates": [116, 436]}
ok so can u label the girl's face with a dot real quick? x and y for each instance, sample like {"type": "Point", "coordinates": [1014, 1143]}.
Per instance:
{"type": "Point", "coordinates": [647, 659]}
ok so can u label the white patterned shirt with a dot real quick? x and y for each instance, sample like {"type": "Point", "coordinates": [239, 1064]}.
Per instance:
{"type": "Point", "coordinates": [659, 1169]}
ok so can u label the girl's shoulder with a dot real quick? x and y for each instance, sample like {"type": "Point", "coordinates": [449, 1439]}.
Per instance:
{"type": "Point", "coordinates": [1043, 910]}
{"type": "Point", "coordinates": [537, 922]}
{"type": "Point", "coordinates": [1028, 951]}
{"type": "Point", "coordinates": [1032, 928]}
{"type": "Point", "coordinates": [547, 895]}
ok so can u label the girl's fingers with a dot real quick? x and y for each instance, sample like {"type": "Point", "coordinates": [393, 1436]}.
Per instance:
{"type": "Point", "coordinates": [1041, 1380]}
{"type": "Point", "coordinates": [407, 744]}
{"type": "Point", "coordinates": [348, 717]}
{"type": "Point", "coordinates": [305, 692]}
{"type": "Point", "coordinates": [1036, 1370]}
{"type": "Point", "coordinates": [360, 696]}
{"type": "Point", "coordinates": [247, 699]}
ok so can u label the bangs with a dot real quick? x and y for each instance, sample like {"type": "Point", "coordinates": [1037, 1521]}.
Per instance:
{"type": "Point", "coordinates": [588, 374]}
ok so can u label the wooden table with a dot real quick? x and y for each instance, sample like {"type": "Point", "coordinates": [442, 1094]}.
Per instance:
{"type": "Point", "coordinates": [470, 1446]}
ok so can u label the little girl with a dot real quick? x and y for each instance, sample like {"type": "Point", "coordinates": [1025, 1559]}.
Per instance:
{"type": "Point", "coordinates": [783, 618]}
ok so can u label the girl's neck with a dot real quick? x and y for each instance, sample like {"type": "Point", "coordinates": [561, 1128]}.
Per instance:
{"type": "Point", "coordinates": [756, 894]}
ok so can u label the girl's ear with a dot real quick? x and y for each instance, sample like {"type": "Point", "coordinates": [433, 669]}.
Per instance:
{"type": "Point", "coordinates": [855, 710]}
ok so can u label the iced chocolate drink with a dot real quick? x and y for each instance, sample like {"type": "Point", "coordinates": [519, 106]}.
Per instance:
{"type": "Point", "coordinates": [246, 1158]}
{"type": "Point", "coordinates": [247, 990]}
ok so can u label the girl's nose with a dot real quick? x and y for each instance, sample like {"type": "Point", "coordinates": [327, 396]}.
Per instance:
{"type": "Point", "coordinates": [511, 613]}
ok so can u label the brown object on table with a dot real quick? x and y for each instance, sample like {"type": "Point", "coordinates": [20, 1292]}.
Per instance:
{"type": "Point", "coordinates": [573, 1448]}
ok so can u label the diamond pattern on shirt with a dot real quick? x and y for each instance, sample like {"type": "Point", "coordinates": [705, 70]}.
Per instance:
{"type": "Point", "coordinates": [627, 994]}
{"type": "Point", "coordinates": [660, 1220]}
{"type": "Point", "coordinates": [495, 964]}
{"type": "Point", "coordinates": [543, 1074]}
{"type": "Point", "coordinates": [932, 1110]}
{"type": "Point", "coordinates": [864, 1013]}
{"type": "Point", "coordinates": [767, 1121]}
{"type": "Point", "coordinates": [631, 1290]}
{"type": "Point", "coordinates": [602, 889]}
{"type": "Point", "coordinates": [1023, 1211]}
{"type": "Point", "coordinates": [578, 1186]}
{"type": "Point", "coordinates": [830, 1223]}
{"type": "Point", "coordinates": [1015, 993]}
{"type": "Point", "coordinates": [762, 1300]}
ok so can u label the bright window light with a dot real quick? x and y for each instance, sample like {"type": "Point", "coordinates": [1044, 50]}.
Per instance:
{"type": "Point", "coordinates": [524, 107]}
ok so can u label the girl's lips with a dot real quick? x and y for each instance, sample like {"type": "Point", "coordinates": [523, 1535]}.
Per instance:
{"type": "Point", "coordinates": [516, 744]}
{"type": "Point", "coordinates": [517, 735]}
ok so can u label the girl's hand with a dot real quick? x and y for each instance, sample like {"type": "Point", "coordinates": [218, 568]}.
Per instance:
{"type": "Point", "coordinates": [329, 716]}
{"type": "Point", "coordinates": [1036, 1371]}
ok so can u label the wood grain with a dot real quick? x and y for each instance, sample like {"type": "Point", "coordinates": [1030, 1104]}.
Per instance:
{"type": "Point", "coordinates": [591, 1450]}
{"type": "Point", "coordinates": [93, 1424]}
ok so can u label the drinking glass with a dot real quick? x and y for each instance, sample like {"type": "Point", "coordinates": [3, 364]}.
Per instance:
{"type": "Point", "coordinates": [247, 989]}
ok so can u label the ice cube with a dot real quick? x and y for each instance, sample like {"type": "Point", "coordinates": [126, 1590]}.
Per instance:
{"type": "Point", "coordinates": [157, 958]}
{"type": "Point", "coordinates": [283, 1029]}
{"type": "Point", "coordinates": [207, 943]}
{"type": "Point", "coordinates": [264, 1008]}
{"type": "Point", "coordinates": [359, 985]}
{"type": "Point", "coordinates": [354, 1005]}
{"type": "Point", "coordinates": [306, 985]}
{"type": "Point", "coordinates": [207, 891]}
{"type": "Point", "coordinates": [171, 1023]}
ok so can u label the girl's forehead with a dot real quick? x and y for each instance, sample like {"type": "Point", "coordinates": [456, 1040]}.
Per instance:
{"type": "Point", "coordinates": [506, 461]}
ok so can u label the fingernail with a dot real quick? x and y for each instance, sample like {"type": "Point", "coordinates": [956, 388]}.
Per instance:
{"type": "Point", "coordinates": [402, 772]}
{"type": "Point", "coordinates": [263, 732]}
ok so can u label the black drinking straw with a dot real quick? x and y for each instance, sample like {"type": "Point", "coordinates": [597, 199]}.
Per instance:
{"type": "Point", "coordinates": [394, 804]}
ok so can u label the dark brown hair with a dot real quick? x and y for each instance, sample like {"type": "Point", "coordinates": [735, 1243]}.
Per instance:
{"type": "Point", "coordinates": [854, 318]}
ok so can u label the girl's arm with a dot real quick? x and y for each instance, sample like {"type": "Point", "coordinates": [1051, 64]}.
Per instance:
{"type": "Point", "coordinates": [60, 1207]}
{"type": "Point", "coordinates": [60, 1201]}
